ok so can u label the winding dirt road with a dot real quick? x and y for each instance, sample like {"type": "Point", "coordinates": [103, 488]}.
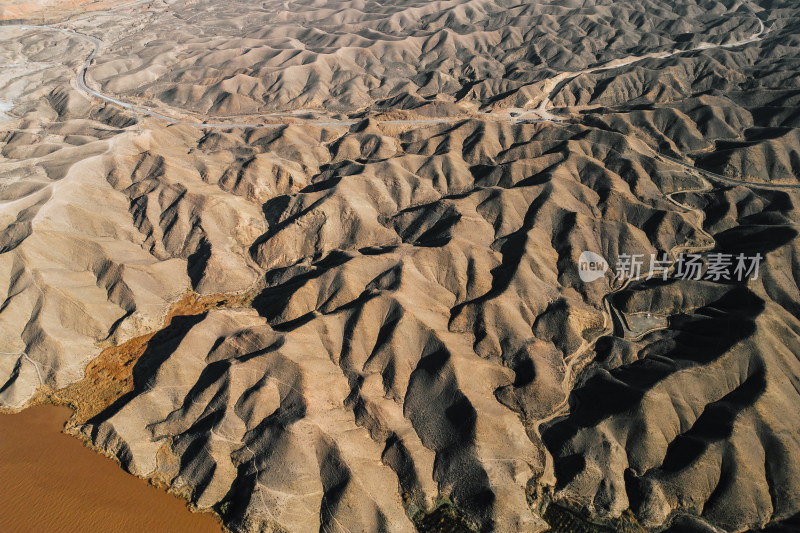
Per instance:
{"type": "Point", "coordinates": [577, 360]}
{"type": "Point", "coordinates": [541, 114]}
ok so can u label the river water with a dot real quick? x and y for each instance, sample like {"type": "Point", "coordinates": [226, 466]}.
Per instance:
{"type": "Point", "coordinates": [49, 482]}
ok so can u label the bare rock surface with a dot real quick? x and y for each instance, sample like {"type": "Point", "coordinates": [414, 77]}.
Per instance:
{"type": "Point", "coordinates": [358, 306]}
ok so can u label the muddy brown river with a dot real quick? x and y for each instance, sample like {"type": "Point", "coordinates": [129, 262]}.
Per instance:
{"type": "Point", "coordinates": [50, 482]}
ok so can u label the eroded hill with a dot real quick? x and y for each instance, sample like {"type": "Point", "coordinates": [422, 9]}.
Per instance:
{"type": "Point", "coordinates": [380, 326]}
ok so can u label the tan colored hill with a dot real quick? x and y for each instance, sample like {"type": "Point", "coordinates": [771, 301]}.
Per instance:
{"type": "Point", "coordinates": [370, 316]}
{"type": "Point", "coordinates": [222, 59]}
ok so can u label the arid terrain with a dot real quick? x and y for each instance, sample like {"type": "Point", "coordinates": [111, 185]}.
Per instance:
{"type": "Point", "coordinates": [315, 265]}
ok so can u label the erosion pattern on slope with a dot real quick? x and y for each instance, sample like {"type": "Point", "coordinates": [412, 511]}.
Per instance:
{"type": "Point", "coordinates": [437, 301]}
{"type": "Point", "coordinates": [403, 286]}
{"type": "Point", "coordinates": [346, 56]}
{"type": "Point", "coordinates": [83, 265]}
{"type": "Point", "coordinates": [419, 311]}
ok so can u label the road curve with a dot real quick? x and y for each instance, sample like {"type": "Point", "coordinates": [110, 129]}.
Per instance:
{"type": "Point", "coordinates": [713, 176]}
{"type": "Point", "coordinates": [575, 361]}
{"type": "Point", "coordinates": [541, 114]}
{"type": "Point", "coordinates": [97, 43]}
{"type": "Point", "coordinates": [559, 81]}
